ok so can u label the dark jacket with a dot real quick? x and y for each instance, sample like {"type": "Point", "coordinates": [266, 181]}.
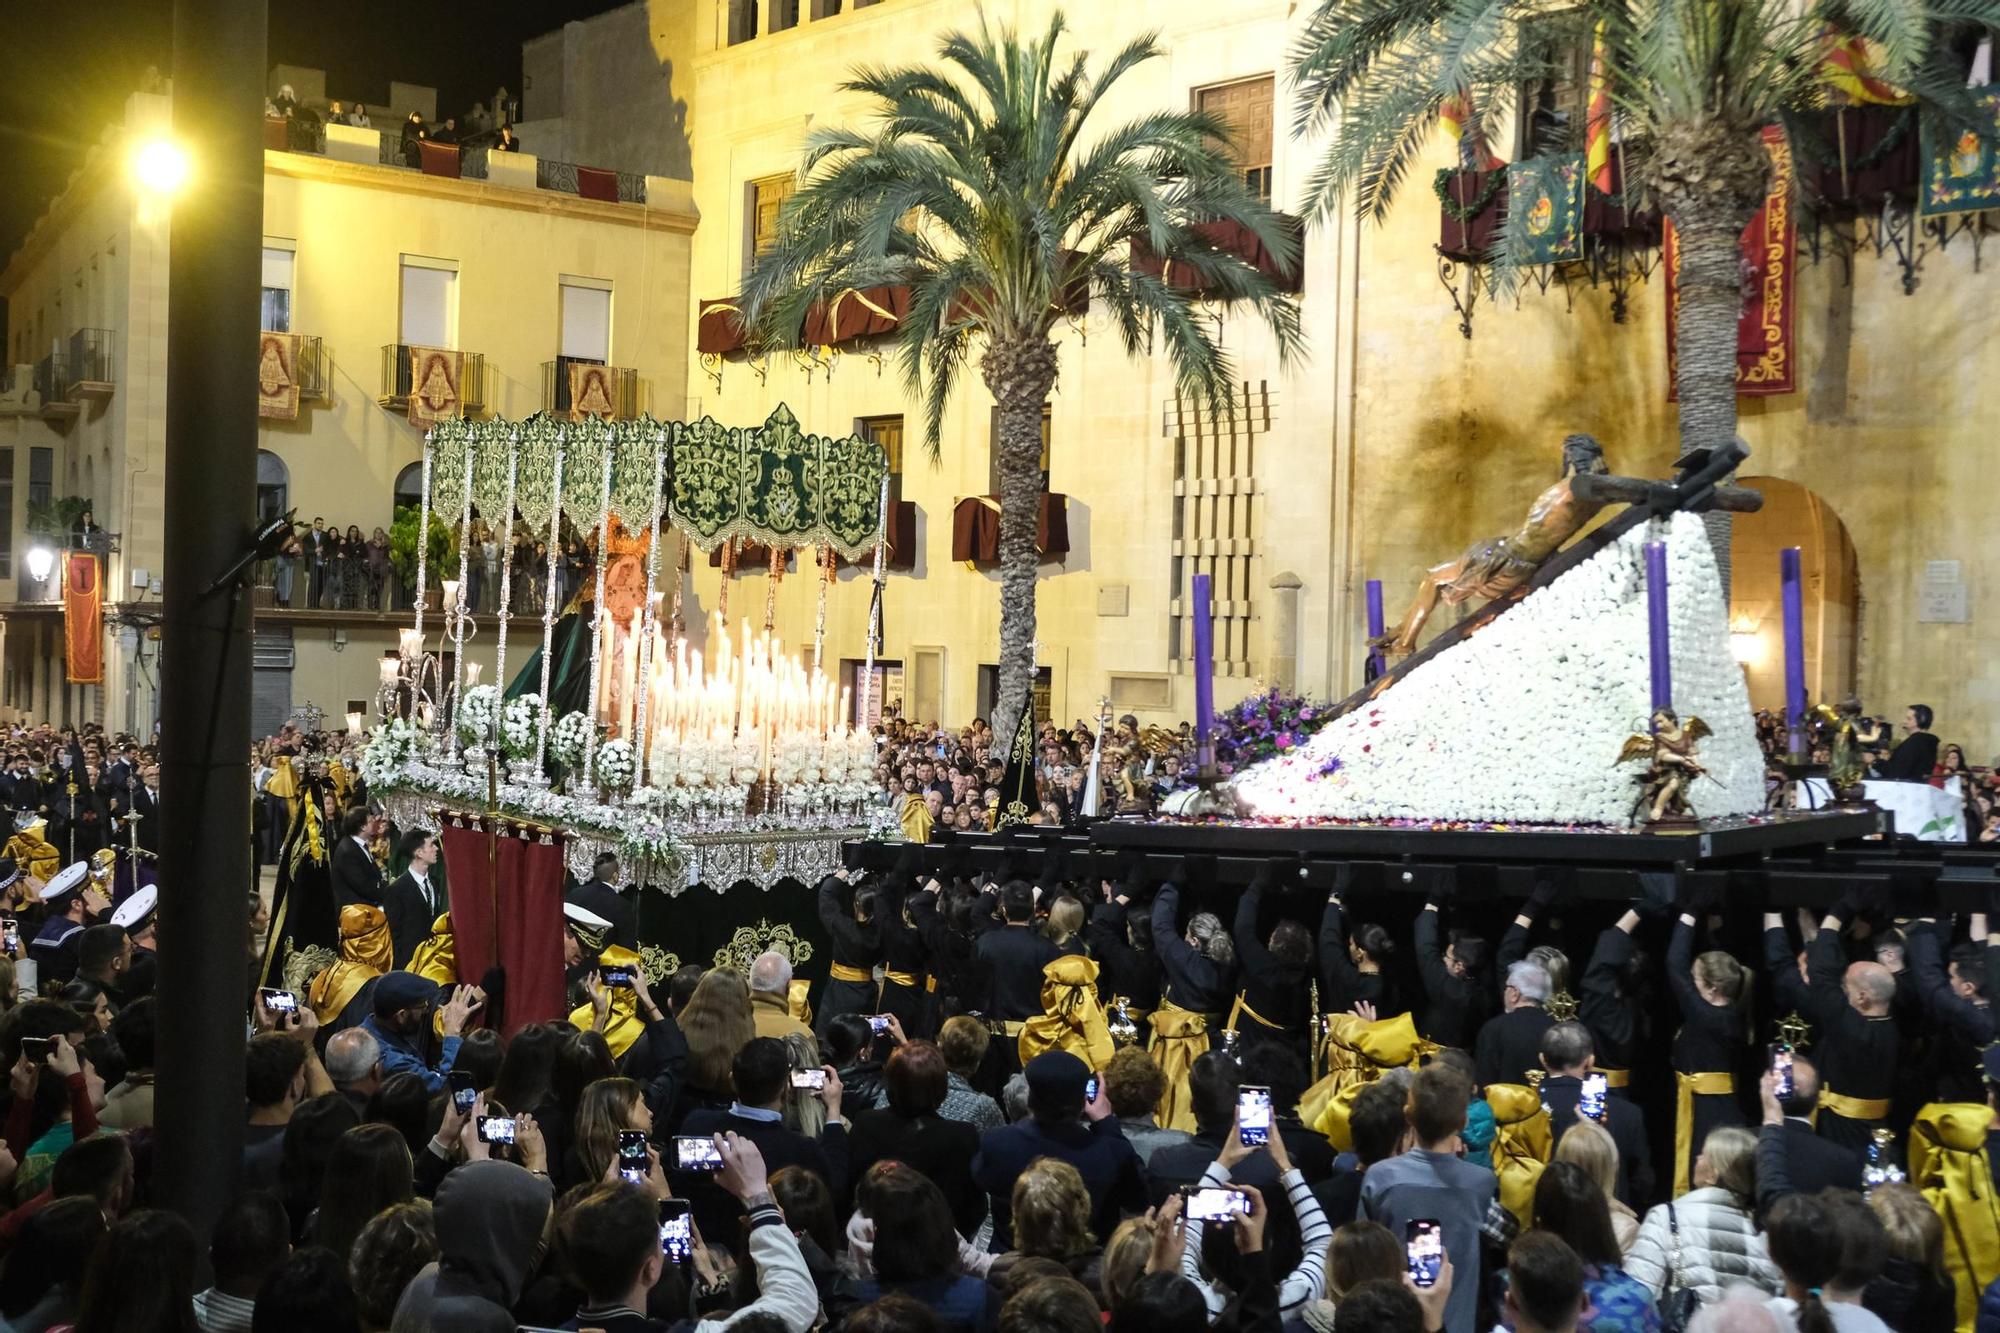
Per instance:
{"type": "Point", "coordinates": [1014, 957]}
{"type": "Point", "coordinates": [594, 895]}
{"type": "Point", "coordinates": [1856, 1054]}
{"type": "Point", "coordinates": [1912, 760]}
{"type": "Point", "coordinates": [1510, 1045]}
{"type": "Point", "coordinates": [356, 877]}
{"type": "Point", "coordinates": [941, 1150]}
{"type": "Point", "coordinates": [1278, 993]}
{"type": "Point", "coordinates": [1122, 969]}
{"type": "Point", "coordinates": [1455, 1006]}
{"type": "Point", "coordinates": [490, 1217]}
{"type": "Point", "coordinates": [1911, 1300]}
{"type": "Point", "coordinates": [1961, 1029]}
{"type": "Point", "coordinates": [1612, 1017]}
{"type": "Point", "coordinates": [1098, 1150]}
{"type": "Point", "coordinates": [410, 915]}
{"type": "Point", "coordinates": [1626, 1124]}
{"type": "Point", "coordinates": [1190, 979]}
{"type": "Point", "coordinates": [716, 1211]}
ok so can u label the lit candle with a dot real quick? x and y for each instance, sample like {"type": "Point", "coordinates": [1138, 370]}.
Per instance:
{"type": "Point", "coordinates": [392, 671]}
{"type": "Point", "coordinates": [411, 644]}
{"type": "Point", "coordinates": [354, 725]}
{"type": "Point", "coordinates": [471, 674]}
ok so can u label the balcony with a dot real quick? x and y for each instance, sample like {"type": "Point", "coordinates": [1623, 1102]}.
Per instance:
{"type": "Point", "coordinates": [51, 380]}
{"type": "Point", "coordinates": [611, 187]}
{"type": "Point", "coordinates": [91, 372]}
{"type": "Point", "coordinates": [470, 391]}
{"type": "Point", "coordinates": [975, 529]}
{"type": "Point", "coordinates": [1229, 238]}
{"type": "Point", "coordinates": [570, 390]}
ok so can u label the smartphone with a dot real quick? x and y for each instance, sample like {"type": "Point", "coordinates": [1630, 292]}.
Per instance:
{"type": "Point", "coordinates": [496, 1129]}
{"type": "Point", "coordinates": [37, 1048]}
{"type": "Point", "coordinates": [696, 1153]}
{"type": "Point", "coordinates": [616, 976]}
{"type": "Point", "coordinates": [1253, 1115]}
{"type": "Point", "coordinates": [879, 1022]}
{"type": "Point", "coordinates": [1423, 1246]}
{"type": "Point", "coordinates": [12, 936]}
{"type": "Point", "coordinates": [1208, 1203]}
{"type": "Point", "coordinates": [1090, 1089]}
{"type": "Point", "coordinates": [676, 1230]}
{"type": "Point", "coordinates": [810, 1080]}
{"type": "Point", "coordinates": [1781, 1063]}
{"type": "Point", "coordinates": [463, 1093]}
{"type": "Point", "coordinates": [279, 1001]}
{"type": "Point", "coordinates": [1596, 1087]}
{"type": "Point", "coordinates": [632, 1161]}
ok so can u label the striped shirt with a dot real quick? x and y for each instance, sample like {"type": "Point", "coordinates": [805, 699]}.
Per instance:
{"type": "Point", "coordinates": [1303, 1284]}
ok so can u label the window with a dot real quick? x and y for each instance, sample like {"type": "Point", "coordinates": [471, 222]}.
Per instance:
{"type": "Point", "coordinates": [1553, 108]}
{"type": "Point", "coordinates": [825, 9]}
{"type": "Point", "coordinates": [430, 302]}
{"type": "Point", "coordinates": [409, 492]}
{"type": "Point", "coordinates": [1245, 107]}
{"type": "Point", "coordinates": [586, 320]}
{"type": "Point", "coordinates": [41, 476]}
{"type": "Point", "coordinates": [767, 196]}
{"type": "Point", "coordinates": [993, 453]}
{"type": "Point", "coordinates": [273, 485]}
{"type": "Point", "coordinates": [6, 513]}
{"type": "Point", "coordinates": [277, 305]}
{"type": "Point", "coordinates": [784, 14]}
{"type": "Point", "coordinates": [742, 20]}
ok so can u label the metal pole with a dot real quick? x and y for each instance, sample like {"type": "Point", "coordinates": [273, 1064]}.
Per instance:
{"type": "Point", "coordinates": [210, 503]}
{"type": "Point", "coordinates": [875, 600]}
{"type": "Point", "coordinates": [424, 542]}
{"type": "Point", "coordinates": [455, 613]}
{"type": "Point", "coordinates": [549, 609]}
{"type": "Point", "coordinates": [654, 536]}
{"type": "Point", "coordinates": [597, 604]}
{"type": "Point", "coordinates": [506, 571]}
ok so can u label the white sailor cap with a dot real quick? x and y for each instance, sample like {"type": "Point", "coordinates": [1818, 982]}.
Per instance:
{"type": "Point", "coordinates": [588, 926]}
{"type": "Point", "coordinates": [10, 871]}
{"type": "Point", "coordinates": [137, 910]}
{"type": "Point", "coordinates": [66, 881]}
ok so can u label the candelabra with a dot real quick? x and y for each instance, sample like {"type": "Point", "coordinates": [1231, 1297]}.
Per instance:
{"type": "Point", "coordinates": [458, 627]}
{"type": "Point", "coordinates": [413, 685]}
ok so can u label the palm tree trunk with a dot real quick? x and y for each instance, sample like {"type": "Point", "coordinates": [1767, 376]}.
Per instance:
{"type": "Point", "coordinates": [1020, 375]}
{"type": "Point", "coordinates": [1711, 300]}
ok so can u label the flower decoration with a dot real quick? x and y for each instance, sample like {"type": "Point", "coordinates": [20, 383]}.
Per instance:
{"type": "Point", "coordinates": [478, 711]}
{"type": "Point", "coordinates": [569, 737]}
{"type": "Point", "coordinates": [521, 725]}
{"type": "Point", "coordinates": [614, 765]}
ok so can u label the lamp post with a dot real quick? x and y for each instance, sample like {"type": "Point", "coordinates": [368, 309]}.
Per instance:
{"type": "Point", "coordinates": [41, 563]}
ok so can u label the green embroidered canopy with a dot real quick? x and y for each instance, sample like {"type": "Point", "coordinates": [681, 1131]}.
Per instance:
{"type": "Point", "coordinates": [770, 484]}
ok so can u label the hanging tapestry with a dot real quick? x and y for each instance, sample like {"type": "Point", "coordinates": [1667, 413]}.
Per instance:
{"type": "Point", "coordinates": [83, 618]}
{"type": "Point", "coordinates": [775, 486]}
{"type": "Point", "coordinates": [1546, 194]}
{"type": "Point", "coordinates": [434, 380]}
{"type": "Point", "coordinates": [591, 393]}
{"type": "Point", "coordinates": [1766, 347]}
{"type": "Point", "coordinates": [1964, 175]}
{"type": "Point", "coordinates": [278, 376]}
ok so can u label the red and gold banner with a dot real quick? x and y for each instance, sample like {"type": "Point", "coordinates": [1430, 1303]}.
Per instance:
{"type": "Point", "coordinates": [278, 376]}
{"type": "Point", "coordinates": [507, 911]}
{"type": "Point", "coordinates": [83, 618]}
{"type": "Point", "coordinates": [590, 392]}
{"type": "Point", "coordinates": [1766, 342]}
{"type": "Point", "coordinates": [434, 380]}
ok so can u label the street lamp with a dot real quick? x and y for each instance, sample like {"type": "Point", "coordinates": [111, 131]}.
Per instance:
{"type": "Point", "coordinates": [40, 561]}
{"type": "Point", "coordinates": [160, 166]}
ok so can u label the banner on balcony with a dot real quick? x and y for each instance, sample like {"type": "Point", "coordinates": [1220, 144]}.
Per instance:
{"type": "Point", "coordinates": [590, 392]}
{"type": "Point", "coordinates": [83, 618]}
{"type": "Point", "coordinates": [1546, 193]}
{"type": "Point", "coordinates": [1766, 347]}
{"type": "Point", "coordinates": [1963, 176]}
{"type": "Point", "coordinates": [434, 378]}
{"type": "Point", "coordinates": [278, 376]}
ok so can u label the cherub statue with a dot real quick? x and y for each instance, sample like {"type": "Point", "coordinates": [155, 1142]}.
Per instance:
{"type": "Point", "coordinates": [1500, 565]}
{"type": "Point", "coordinates": [1672, 770]}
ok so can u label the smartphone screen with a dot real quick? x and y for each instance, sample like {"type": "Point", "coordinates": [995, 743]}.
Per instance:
{"type": "Point", "coordinates": [496, 1129]}
{"type": "Point", "coordinates": [463, 1093]}
{"type": "Point", "coordinates": [1781, 1063]}
{"type": "Point", "coordinates": [37, 1048]}
{"type": "Point", "coordinates": [695, 1153]}
{"type": "Point", "coordinates": [1423, 1242]}
{"type": "Point", "coordinates": [676, 1230]}
{"type": "Point", "coordinates": [12, 930]}
{"type": "Point", "coordinates": [879, 1022]}
{"type": "Point", "coordinates": [1214, 1204]}
{"type": "Point", "coordinates": [811, 1080]}
{"type": "Point", "coordinates": [616, 976]}
{"type": "Point", "coordinates": [1595, 1088]}
{"type": "Point", "coordinates": [632, 1161]}
{"type": "Point", "coordinates": [1090, 1089]}
{"type": "Point", "coordinates": [1253, 1116]}
{"type": "Point", "coordinates": [280, 1001]}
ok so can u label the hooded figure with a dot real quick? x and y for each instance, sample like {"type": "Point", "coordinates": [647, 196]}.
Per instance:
{"type": "Point", "coordinates": [490, 1218]}
{"type": "Point", "coordinates": [364, 956]}
{"type": "Point", "coordinates": [1072, 1018]}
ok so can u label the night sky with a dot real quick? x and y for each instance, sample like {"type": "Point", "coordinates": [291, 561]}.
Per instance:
{"type": "Point", "coordinates": [66, 67]}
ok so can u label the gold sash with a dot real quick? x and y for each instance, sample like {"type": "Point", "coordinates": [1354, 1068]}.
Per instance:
{"type": "Point", "coordinates": [365, 954]}
{"type": "Point", "coordinates": [1356, 1053]}
{"type": "Point", "coordinates": [1687, 1088]}
{"type": "Point", "coordinates": [436, 959]}
{"type": "Point", "coordinates": [1948, 1164]}
{"type": "Point", "coordinates": [1241, 1007]}
{"type": "Point", "coordinates": [1854, 1108]}
{"type": "Point", "coordinates": [1072, 1017]}
{"type": "Point", "coordinates": [842, 972]}
{"type": "Point", "coordinates": [1180, 1037]}
{"type": "Point", "coordinates": [1522, 1141]}
{"type": "Point", "coordinates": [1614, 1078]}
{"type": "Point", "coordinates": [622, 1026]}
{"type": "Point", "coordinates": [905, 979]}
{"type": "Point", "coordinates": [798, 1001]}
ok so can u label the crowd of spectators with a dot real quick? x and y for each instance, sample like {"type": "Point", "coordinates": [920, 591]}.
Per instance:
{"type": "Point", "coordinates": [321, 567]}
{"type": "Point", "coordinates": [1914, 755]}
{"type": "Point", "coordinates": [480, 127]}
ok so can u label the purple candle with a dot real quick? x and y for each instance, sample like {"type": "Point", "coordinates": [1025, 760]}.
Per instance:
{"type": "Point", "coordinates": [1204, 677]}
{"type": "Point", "coordinates": [1374, 625]}
{"type": "Point", "coordinates": [1795, 651]}
{"type": "Point", "coordinates": [1656, 625]}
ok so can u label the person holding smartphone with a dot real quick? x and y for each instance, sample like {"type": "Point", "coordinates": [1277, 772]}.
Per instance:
{"type": "Point", "coordinates": [402, 1020]}
{"type": "Point", "coordinates": [1254, 1129]}
{"type": "Point", "coordinates": [1573, 1087]}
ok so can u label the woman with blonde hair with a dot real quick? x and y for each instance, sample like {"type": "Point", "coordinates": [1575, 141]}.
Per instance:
{"type": "Point", "coordinates": [1065, 925]}
{"type": "Point", "coordinates": [805, 1113]}
{"type": "Point", "coordinates": [1707, 1239]}
{"type": "Point", "coordinates": [717, 1023]}
{"type": "Point", "coordinates": [607, 1108]}
{"type": "Point", "coordinates": [1123, 1262]}
{"type": "Point", "coordinates": [1713, 993]}
{"type": "Point", "coordinates": [1590, 1146]}
{"type": "Point", "coordinates": [1051, 1212]}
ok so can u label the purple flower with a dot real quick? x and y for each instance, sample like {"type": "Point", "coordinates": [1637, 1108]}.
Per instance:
{"type": "Point", "coordinates": [1284, 740]}
{"type": "Point", "coordinates": [1330, 767]}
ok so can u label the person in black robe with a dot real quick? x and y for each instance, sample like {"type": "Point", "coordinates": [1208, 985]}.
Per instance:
{"type": "Point", "coordinates": [302, 911]}
{"type": "Point", "coordinates": [1857, 1051]}
{"type": "Point", "coordinates": [1274, 996]}
{"type": "Point", "coordinates": [1452, 967]}
{"type": "Point", "coordinates": [856, 936]}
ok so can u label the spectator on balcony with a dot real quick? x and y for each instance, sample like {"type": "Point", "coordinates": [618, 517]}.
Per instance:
{"type": "Point", "coordinates": [283, 567]}
{"type": "Point", "coordinates": [286, 102]}
{"type": "Point", "coordinates": [477, 121]}
{"type": "Point", "coordinates": [336, 114]}
{"type": "Point", "coordinates": [414, 133]}
{"type": "Point", "coordinates": [85, 534]}
{"type": "Point", "coordinates": [378, 568]}
{"type": "Point", "coordinates": [575, 563]}
{"type": "Point", "coordinates": [358, 117]}
{"type": "Point", "coordinates": [318, 544]}
{"type": "Point", "coordinates": [507, 143]}
{"type": "Point", "coordinates": [482, 567]}
{"type": "Point", "coordinates": [357, 569]}
{"type": "Point", "coordinates": [447, 132]}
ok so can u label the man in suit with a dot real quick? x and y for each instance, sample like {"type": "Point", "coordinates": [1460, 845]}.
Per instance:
{"type": "Point", "coordinates": [761, 1073]}
{"type": "Point", "coordinates": [1511, 1044]}
{"type": "Point", "coordinates": [1812, 1163]}
{"type": "Point", "coordinates": [356, 877]}
{"type": "Point", "coordinates": [417, 896]}
{"type": "Point", "coordinates": [145, 803]}
{"type": "Point", "coordinates": [1916, 756]}
{"type": "Point", "coordinates": [317, 545]}
{"type": "Point", "coordinates": [600, 896]}
{"type": "Point", "coordinates": [1212, 1086]}
{"type": "Point", "coordinates": [1569, 1054]}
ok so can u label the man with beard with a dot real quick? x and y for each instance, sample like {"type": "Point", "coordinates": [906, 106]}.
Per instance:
{"type": "Point", "coordinates": [137, 916]}
{"type": "Point", "coordinates": [402, 1023]}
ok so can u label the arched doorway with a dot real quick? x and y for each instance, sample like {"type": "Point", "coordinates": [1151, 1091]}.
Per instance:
{"type": "Point", "coordinates": [409, 487]}
{"type": "Point", "coordinates": [1831, 587]}
{"type": "Point", "coordinates": [274, 484]}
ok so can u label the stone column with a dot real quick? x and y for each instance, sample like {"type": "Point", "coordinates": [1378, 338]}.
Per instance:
{"type": "Point", "coordinates": [1283, 673]}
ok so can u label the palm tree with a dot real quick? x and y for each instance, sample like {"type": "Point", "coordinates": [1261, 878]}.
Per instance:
{"type": "Point", "coordinates": [1694, 83]}
{"type": "Point", "coordinates": [988, 187]}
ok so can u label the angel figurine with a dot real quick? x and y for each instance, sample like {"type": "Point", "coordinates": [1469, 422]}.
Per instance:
{"type": "Point", "coordinates": [1672, 768]}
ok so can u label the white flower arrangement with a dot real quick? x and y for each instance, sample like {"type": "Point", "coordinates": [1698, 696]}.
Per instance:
{"type": "Point", "coordinates": [1523, 722]}
{"type": "Point", "coordinates": [748, 762]}
{"type": "Point", "coordinates": [478, 711]}
{"type": "Point", "coordinates": [614, 765]}
{"type": "Point", "coordinates": [390, 751]}
{"type": "Point", "coordinates": [521, 725]}
{"type": "Point", "coordinates": [569, 737]}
